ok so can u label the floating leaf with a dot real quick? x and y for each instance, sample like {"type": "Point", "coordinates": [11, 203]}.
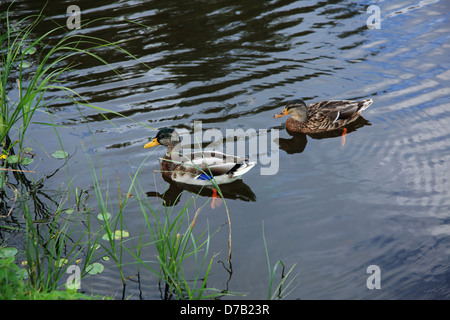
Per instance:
{"type": "Point", "coordinates": [100, 216]}
{"type": "Point", "coordinates": [70, 211]}
{"type": "Point", "coordinates": [105, 258]}
{"type": "Point", "coordinates": [60, 154]}
{"type": "Point", "coordinates": [95, 268]}
{"type": "Point", "coordinates": [12, 159]}
{"type": "Point", "coordinates": [25, 64]}
{"type": "Point", "coordinates": [30, 50]}
{"type": "Point", "coordinates": [61, 262]}
{"type": "Point", "coordinates": [26, 161]}
{"type": "Point", "coordinates": [119, 234]}
{"type": "Point", "coordinates": [8, 252]}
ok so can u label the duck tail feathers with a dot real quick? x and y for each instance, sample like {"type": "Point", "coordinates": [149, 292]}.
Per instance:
{"type": "Point", "coordinates": [364, 104]}
{"type": "Point", "coordinates": [241, 168]}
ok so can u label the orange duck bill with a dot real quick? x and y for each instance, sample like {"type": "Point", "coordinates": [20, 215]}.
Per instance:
{"type": "Point", "coordinates": [282, 113]}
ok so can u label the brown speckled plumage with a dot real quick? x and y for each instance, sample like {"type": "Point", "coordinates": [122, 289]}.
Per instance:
{"type": "Point", "coordinates": [322, 116]}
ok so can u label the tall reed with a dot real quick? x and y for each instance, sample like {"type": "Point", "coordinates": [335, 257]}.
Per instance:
{"type": "Point", "coordinates": [54, 241]}
{"type": "Point", "coordinates": [24, 88]}
{"type": "Point", "coordinates": [17, 44]}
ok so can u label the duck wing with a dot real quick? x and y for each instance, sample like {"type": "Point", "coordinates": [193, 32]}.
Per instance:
{"type": "Point", "coordinates": [336, 110]}
{"type": "Point", "coordinates": [213, 163]}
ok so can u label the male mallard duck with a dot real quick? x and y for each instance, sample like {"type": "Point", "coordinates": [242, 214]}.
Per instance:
{"type": "Point", "coordinates": [322, 116]}
{"type": "Point", "coordinates": [197, 168]}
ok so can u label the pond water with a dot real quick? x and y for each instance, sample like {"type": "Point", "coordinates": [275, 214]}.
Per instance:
{"type": "Point", "coordinates": [333, 210]}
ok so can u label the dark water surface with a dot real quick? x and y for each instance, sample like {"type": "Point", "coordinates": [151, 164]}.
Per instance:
{"type": "Point", "coordinates": [333, 210]}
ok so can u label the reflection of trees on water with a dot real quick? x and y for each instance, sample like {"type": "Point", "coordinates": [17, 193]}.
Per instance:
{"type": "Point", "coordinates": [25, 204]}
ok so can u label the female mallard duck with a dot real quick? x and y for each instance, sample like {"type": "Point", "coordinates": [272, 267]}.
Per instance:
{"type": "Point", "coordinates": [197, 168]}
{"type": "Point", "coordinates": [322, 116]}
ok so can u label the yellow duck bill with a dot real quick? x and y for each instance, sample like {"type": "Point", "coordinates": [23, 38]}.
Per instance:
{"type": "Point", "coordinates": [151, 144]}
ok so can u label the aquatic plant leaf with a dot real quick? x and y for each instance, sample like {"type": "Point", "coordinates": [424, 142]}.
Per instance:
{"type": "Point", "coordinates": [119, 234]}
{"type": "Point", "coordinates": [100, 216]}
{"type": "Point", "coordinates": [26, 161]}
{"type": "Point", "coordinates": [22, 274]}
{"type": "Point", "coordinates": [61, 262]}
{"type": "Point", "coordinates": [12, 159]}
{"type": "Point", "coordinates": [60, 154]}
{"type": "Point", "coordinates": [30, 50]}
{"type": "Point", "coordinates": [95, 268]}
{"type": "Point", "coordinates": [8, 252]}
{"type": "Point", "coordinates": [25, 64]}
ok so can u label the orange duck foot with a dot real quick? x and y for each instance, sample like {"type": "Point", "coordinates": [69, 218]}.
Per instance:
{"type": "Point", "coordinates": [343, 136]}
{"type": "Point", "coordinates": [216, 201]}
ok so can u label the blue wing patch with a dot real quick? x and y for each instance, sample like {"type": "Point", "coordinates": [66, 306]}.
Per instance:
{"type": "Point", "coordinates": [204, 177]}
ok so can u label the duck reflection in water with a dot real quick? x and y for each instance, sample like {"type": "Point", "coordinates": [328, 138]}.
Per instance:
{"type": "Point", "coordinates": [236, 190]}
{"type": "Point", "coordinates": [297, 142]}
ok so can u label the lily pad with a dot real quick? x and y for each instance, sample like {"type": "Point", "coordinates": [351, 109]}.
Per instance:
{"type": "Point", "coordinates": [25, 64]}
{"type": "Point", "coordinates": [95, 268]}
{"type": "Point", "coordinates": [30, 50]}
{"type": "Point", "coordinates": [61, 262]}
{"type": "Point", "coordinates": [8, 252]}
{"type": "Point", "coordinates": [26, 161]}
{"type": "Point", "coordinates": [119, 234]}
{"type": "Point", "coordinates": [12, 159]}
{"type": "Point", "coordinates": [60, 154]}
{"type": "Point", "coordinates": [100, 216]}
